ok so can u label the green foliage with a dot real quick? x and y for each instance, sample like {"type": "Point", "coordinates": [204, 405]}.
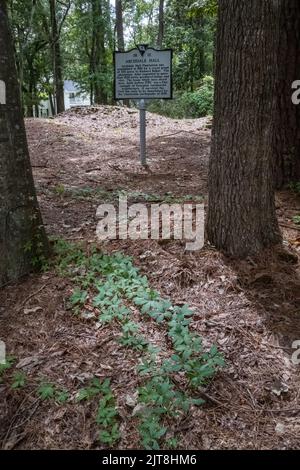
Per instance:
{"type": "Point", "coordinates": [196, 104]}
{"type": "Point", "coordinates": [78, 297]}
{"type": "Point", "coordinates": [68, 256]}
{"type": "Point", "coordinates": [49, 391]}
{"type": "Point", "coordinates": [167, 198]}
{"type": "Point", "coordinates": [62, 396]}
{"type": "Point", "coordinates": [59, 190]}
{"type": "Point", "coordinates": [8, 364]}
{"type": "Point", "coordinates": [295, 187]}
{"type": "Point", "coordinates": [37, 249]}
{"type": "Point", "coordinates": [83, 193]}
{"type": "Point", "coordinates": [172, 443]}
{"type": "Point", "coordinates": [296, 219]}
{"type": "Point", "coordinates": [88, 393]}
{"type": "Point", "coordinates": [46, 391]}
{"type": "Point", "coordinates": [130, 339]}
{"type": "Point", "coordinates": [204, 7]}
{"type": "Point", "coordinates": [189, 30]}
{"type": "Point", "coordinates": [117, 281]}
{"type": "Point", "coordinates": [19, 380]}
{"type": "Point", "coordinates": [107, 416]}
{"type": "Point", "coordinates": [200, 102]}
{"type": "Point", "coordinates": [28, 20]}
{"type": "Point", "coordinates": [148, 365]}
{"type": "Point", "coordinates": [91, 67]}
{"type": "Point", "coordinates": [151, 431]}
{"type": "Point", "coordinates": [161, 398]}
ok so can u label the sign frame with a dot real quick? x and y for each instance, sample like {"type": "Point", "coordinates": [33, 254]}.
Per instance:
{"type": "Point", "coordinates": [143, 97]}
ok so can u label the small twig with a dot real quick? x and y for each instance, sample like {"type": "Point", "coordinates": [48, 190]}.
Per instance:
{"type": "Point", "coordinates": [35, 405]}
{"type": "Point", "coordinates": [175, 133]}
{"type": "Point", "coordinates": [214, 400]}
{"type": "Point", "coordinates": [292, 227]}
{"type": "Point", "coordinates": [286, 410]}
{"type": "Point", "coordinates": [13, 419]}
{"type": "Point", "coordinates": [19, 439]}
{"type": "Point", "coordinates": [30, 297]}
{"type": "Point", "coordinates": [89, 170]}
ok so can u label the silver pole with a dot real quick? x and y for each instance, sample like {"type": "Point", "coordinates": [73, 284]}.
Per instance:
{"type": "Point", "coordinates": [142, 106]}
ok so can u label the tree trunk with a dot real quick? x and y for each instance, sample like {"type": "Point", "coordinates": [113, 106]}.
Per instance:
{"type": "Point", "coordinates": [23, 242]}
{"type": "Point", "coordinates": [120, 34]}
{"type": "Point", "coordinates": [99, 65]}
{"type": "Point", "coordinates": [161, 25]}
{"type": "Point", "coordinates": [57, 60]}
{"type": "Point", "coordinates": [241, 216]}
{"type": "Point", "coordinates": [288, 125]}
{"type": "Point", "coordinates": [201, 62]}
{"type": "Point", "coordinates": [31, 90]}
{"type": "Point", "coordinates": [191, 75]}
{"type": "Point", "coordinates": [119, 26]}
{"type": "Point", "coordinates": [50, 97]}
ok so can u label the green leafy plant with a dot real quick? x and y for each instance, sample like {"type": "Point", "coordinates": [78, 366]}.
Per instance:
{"type": "Point", "coordinates": [296, 219]}
{"type": "Point", "coordinates": [95, 388]}
{"type": "Point", "coordinates": [59, 190]}
{"type": "Point", "coordinates": [148, 365]}
{"type": "Point", "coordinates": [8, 364]}
{"type": "Point", "coordinates": [151, 432]}
{"type": "Point", "coordinates": [110, 436]}
{"type": "Point", "coordinates": [49, 391]}
{"type": "Point", "coordinates": [172, 443]}
{"type": "Point", "coordinates": [115, 279]}
{"type": "Point", "coordinates": [62, 396]}
{"type": "Point", "coordinates": [19, 380]}
{"type": "Point", "coordinates": [188, 104]}
{"type": "Point", "coordinates": [78, 297]}
{"type": "Point", "coordinates": [107, 416]}
{"type": "Point", "coordinates": [130, 339]}
{"type": "Point", "coordinates": [46, 391]}
{"type": "Point", "coordinates": [147, 300]}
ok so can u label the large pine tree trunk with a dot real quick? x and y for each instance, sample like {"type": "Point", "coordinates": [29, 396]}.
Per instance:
{"type": "Point", "coordinates": [22, 238]}
{"type": "Point", "coordinates": [288, 125]}
{"type": "Point", "coordinates": [57, 60]}
{"type": "Point", "coordinates": [241, 216]}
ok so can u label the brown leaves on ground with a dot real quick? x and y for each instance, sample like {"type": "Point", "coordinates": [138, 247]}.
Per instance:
{"type": "Point", "coordinates": [249, 309]}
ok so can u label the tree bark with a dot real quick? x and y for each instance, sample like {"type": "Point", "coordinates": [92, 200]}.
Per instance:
{"type": "Point", "coordinates": [23, 243]}
{"type": "Point", "coordinates": [57, 60]}
{"type": "Point", "coordinates": [161, 24]}
{"type": "Point", "coordinates": [241, 215]}
{"type": "Point", "coordinates": [287, 151]}
{"type": "Point", "coordinates": [98, 59]}
{"type": "Point", "coordinates": [119, 26]}
{"type": "Point", "coordinates": [32, 98]}
{"type": "Point", "coordinates": [120, 34]}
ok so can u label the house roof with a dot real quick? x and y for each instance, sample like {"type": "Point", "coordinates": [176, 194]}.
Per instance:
{"type": "Point", "coordinates": [71, 87]}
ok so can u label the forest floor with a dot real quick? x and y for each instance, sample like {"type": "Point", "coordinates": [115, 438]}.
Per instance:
{"type": "Point", "coordinates": [250, 310]}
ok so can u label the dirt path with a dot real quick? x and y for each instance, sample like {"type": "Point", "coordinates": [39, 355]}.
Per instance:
{"type": "Point", "coordinates": [250, 310]}
{"type": "Point", "coordinates": [95, 155]}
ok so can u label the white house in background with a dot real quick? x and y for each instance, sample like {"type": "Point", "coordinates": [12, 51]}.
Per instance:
{"type": "Point", "coordinates": [73, 97]}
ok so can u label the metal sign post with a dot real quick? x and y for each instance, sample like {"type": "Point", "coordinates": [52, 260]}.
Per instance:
{"type": "Point", "coordinates": [142, 106]}
{"type": "Point", "coordinates": [140, 74]}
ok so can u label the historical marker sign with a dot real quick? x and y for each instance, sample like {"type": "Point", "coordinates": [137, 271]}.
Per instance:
{"type": "Point", "coordinates": [143, 73]}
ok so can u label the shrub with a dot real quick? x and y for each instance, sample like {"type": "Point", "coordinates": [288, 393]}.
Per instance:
{"type": "Point", "coordinates": [188, 104]}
